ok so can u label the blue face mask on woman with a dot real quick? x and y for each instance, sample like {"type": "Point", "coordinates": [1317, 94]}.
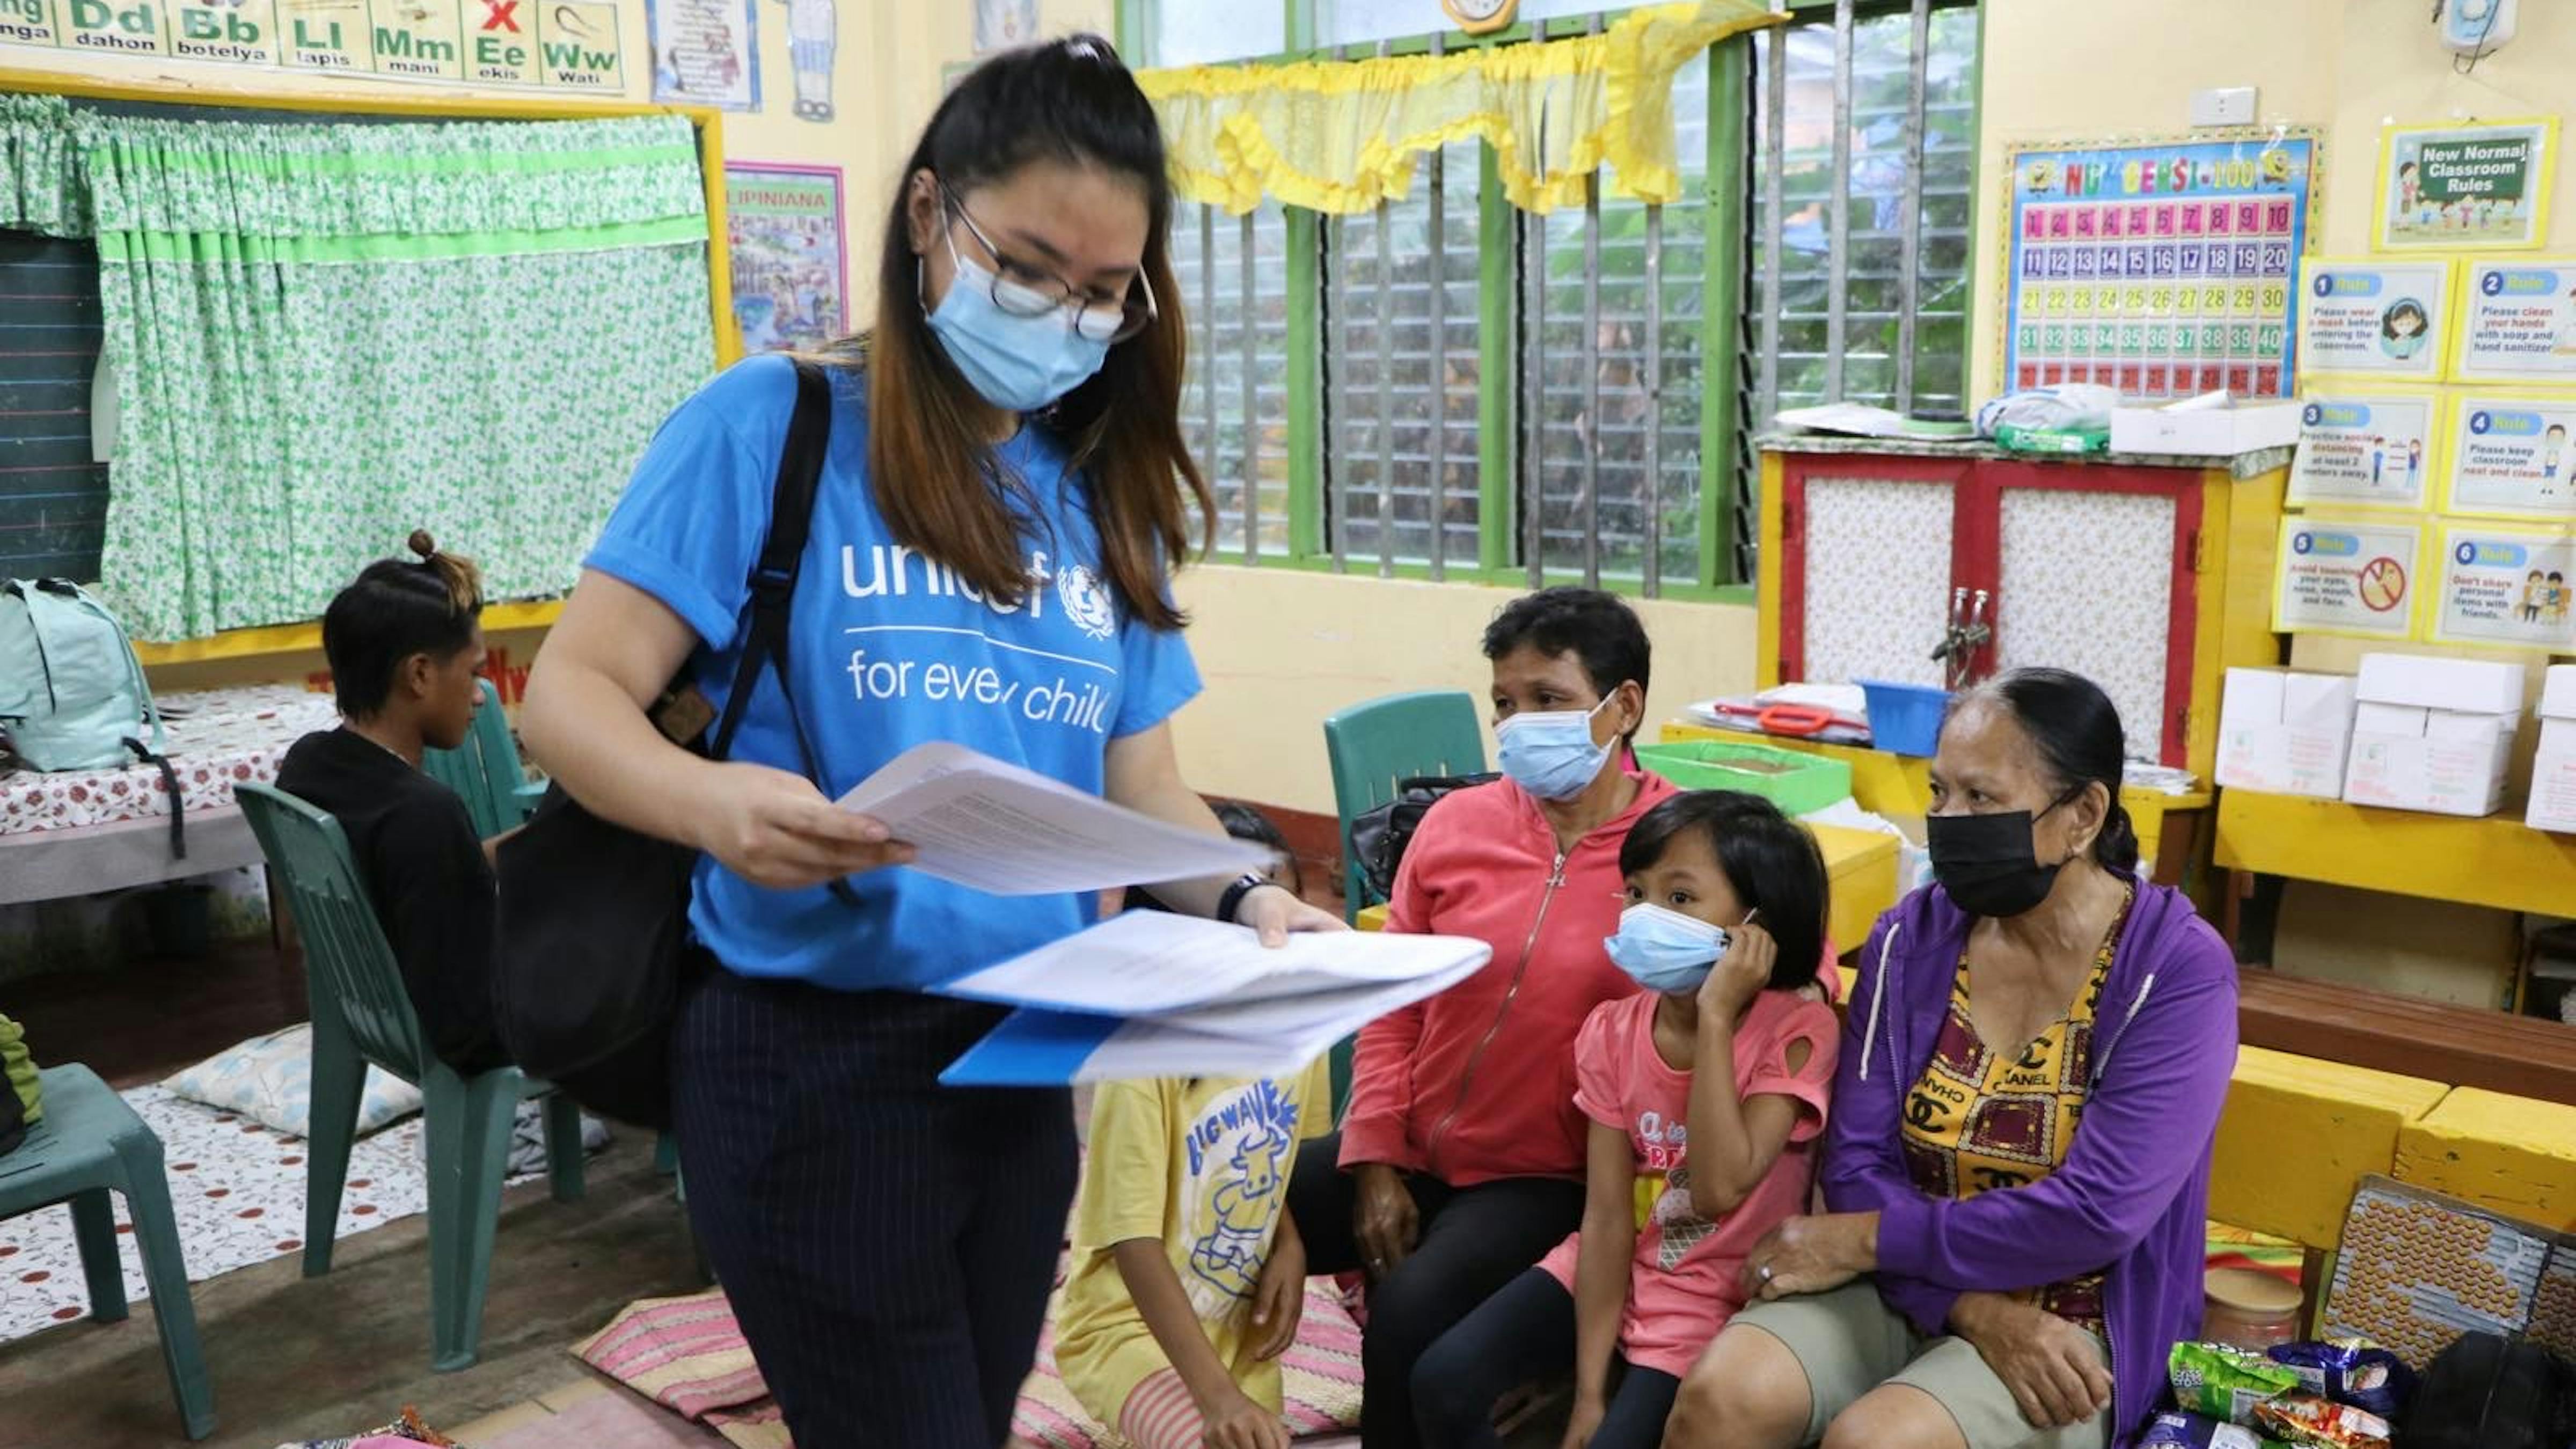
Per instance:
{"type": "Point", "coordinates": [1665, 950]}
{"type": "Point", "coordinates": [1018, 364]}
{"type": "Point", "coordinates": [1551, 754]}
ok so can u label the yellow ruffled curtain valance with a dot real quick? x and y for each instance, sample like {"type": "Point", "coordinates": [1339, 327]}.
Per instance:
{"type": "Point", "coordinates": [1341, 136]}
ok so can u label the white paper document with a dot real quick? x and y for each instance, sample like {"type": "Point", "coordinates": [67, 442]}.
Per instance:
{"type": "Point", "coordinates": [981, 822]}
{"type": "Point", "coordinates": [1148, 995]}
{"type": "Point", "coordinates": [1147, 963]}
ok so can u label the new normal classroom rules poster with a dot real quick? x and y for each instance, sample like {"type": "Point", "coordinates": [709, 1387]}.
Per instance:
{"type": "Point", "coordinates": [2163, 269]}
{"type": "Point", "coordinates": [2465, 187]}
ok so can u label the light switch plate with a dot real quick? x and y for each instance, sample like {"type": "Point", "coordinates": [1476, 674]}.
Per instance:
{"type": "Point", "coordinates": [2223, 106]}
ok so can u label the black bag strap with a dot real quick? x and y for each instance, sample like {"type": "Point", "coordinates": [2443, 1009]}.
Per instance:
{"type": "Point", "coordinates": [773, 574]}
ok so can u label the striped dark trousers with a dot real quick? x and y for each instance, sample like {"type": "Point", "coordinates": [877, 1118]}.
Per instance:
{"type": "Point", "coordinates": [887, 1243]}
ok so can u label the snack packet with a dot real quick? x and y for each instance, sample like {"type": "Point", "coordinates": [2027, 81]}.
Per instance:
{"type": "Point", "coordinates": [2226, 1383]}
{"type": "Point", "coordinates": [2351, 1371]}
{"type": "Point", "coordinates": [2314, 1423]}
{"type": "Point", "coordinates": [2198, 1431]}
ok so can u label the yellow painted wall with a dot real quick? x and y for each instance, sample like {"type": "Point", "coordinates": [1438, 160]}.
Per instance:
{"type": "Point", "coordinates": [2347, 65]}
{"type": "Point", "coordinates": [1282, 648]}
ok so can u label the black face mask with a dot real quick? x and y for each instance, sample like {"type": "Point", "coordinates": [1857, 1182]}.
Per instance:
{"type": "Point", "coordinates": [1987, 862]}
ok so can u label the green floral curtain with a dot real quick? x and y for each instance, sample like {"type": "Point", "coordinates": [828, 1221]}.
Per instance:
{"type": "Point", "coordinates": [39, 183]}
{"type": "Point", "coordinates": [325, 336]}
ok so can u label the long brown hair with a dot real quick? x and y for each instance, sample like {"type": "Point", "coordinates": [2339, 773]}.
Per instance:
{"type": "Point", "coordinates": [937, 483]}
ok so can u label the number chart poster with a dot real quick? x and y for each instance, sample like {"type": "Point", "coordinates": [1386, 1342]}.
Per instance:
{"type": "Point", "coordinates": [2466, 186]}
{"type": "Point", "coordinates": [570, 46]}
{"type": "Point", "coordinates": [2365, 449]}
{"type": "Point", "coordinates": [791, 279]}
{"type": "Point", "coordinates": [2339, 576]}
{"type": "Point", "coordinates": [2511, 456]}
{"type": "Point", "coordinates": [2507, 589]}
{"type": "Point", "coordinates": [2161, 269]}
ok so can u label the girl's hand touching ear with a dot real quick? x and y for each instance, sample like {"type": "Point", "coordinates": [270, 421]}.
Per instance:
{"type": "Point", "coordinates": [1740, 974]}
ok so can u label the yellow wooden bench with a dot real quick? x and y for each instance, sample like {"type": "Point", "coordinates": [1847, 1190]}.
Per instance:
{"type": "Point", "coordinates": [2300, 1134]}
{"type": "Point", "coordinates": [2511, 1154]}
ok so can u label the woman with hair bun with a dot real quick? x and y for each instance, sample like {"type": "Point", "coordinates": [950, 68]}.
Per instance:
{"type": "Point", "coordinates": [405, 644]}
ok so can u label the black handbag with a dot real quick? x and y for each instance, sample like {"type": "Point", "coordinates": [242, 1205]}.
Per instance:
{"type": "Point", "coordinates": [2487, 1391]}
{"type": "Point", "coordinates": [1379, 835]}
{"type": "Point", "coordinates": [594, 918]}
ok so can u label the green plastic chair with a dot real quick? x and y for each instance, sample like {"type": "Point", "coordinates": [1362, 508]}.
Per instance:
{"type": "Point", "coordinates": [362, 1015]}
{"type": "Point", "coordinates": [87, 1145]}
{"type": "Point", "coordinates": [485, 771]}
{"type": "Point", "coordinates": [1372, 746]}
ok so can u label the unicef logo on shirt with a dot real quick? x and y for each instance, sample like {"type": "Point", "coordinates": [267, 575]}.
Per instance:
{"type": "Point", "coordinates": [1086, 603]}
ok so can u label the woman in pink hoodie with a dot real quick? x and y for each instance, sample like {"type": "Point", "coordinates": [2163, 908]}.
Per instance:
{"type": "Point", "coordinates": [1460, 1159]}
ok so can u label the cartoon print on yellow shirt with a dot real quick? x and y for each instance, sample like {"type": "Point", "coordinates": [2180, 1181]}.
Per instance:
{"type": "Point", "coordinates": [1239, 1151]}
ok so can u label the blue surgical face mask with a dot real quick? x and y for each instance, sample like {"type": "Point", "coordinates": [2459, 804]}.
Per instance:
{"type": "Point", "coordinates": [1665, 950]}
{"type": "Point", "coordinates": [1551, 754]}
{"type": "Point", "coordinates": [1018, 364]}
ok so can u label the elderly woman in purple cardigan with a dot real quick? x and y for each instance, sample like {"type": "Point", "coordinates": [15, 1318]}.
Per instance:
{"type": "Point", "coordinates": [1988, 1276]}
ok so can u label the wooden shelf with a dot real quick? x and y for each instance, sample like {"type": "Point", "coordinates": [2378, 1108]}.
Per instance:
{"type": "Point", "coordinates": [2497, 862]}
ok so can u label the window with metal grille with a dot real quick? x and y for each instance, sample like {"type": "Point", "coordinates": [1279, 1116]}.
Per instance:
{"type": "Point", "coordinates": [1558, 405]}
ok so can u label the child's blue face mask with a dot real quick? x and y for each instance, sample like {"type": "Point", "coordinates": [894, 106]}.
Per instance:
{"type": "Point", "coordinates": [1551, 754]}
{"type": "Point", "coordinates": [1665, 950]}
{"type": "Point", "coordinates": [1018, 364]}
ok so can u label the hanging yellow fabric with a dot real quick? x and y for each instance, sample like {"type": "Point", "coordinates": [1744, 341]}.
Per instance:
{"type": "Point", "coordinates": [1341, 136]}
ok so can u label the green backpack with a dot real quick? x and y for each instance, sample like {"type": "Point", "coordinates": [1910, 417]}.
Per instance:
{"type": "Point", "coordinates": [23, 1103]}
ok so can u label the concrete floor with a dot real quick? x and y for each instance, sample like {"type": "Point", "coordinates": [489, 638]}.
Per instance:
{"type": "Point", "coordinates": [294, 1359]}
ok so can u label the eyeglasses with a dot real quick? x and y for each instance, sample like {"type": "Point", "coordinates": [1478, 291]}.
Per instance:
{"type": "Point", "coordinates": [1025, 291]}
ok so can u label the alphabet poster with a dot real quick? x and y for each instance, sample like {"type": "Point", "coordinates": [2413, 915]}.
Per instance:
{"type": "Point", "coordinates": [2520, 322]}
{"type": "Point", "coordinates": [2511, 456]}
{"type": "Point", "coordinates": [2374, 450]}
{"type": "Point", "coordinates": [2507, 588]}
{"type": "Point", "coordinates": [2381, 318]}
{"type": "Point", "coordinates": [569, 46]}
{"type": "Point", "coordinates": [2163, 269]}
{"type": "Point", "coordinates": [2347, 577]}
{"type": "Point", "coordinates": [2481, 187]}
{"type": "Point", "coordinates": [706, 52]}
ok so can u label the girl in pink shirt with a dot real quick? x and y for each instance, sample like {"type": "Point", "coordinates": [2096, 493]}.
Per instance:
{"type": "Point", "coordinates": [1706, 1094]}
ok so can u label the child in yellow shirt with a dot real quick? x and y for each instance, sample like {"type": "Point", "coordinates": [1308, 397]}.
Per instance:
{"type": "Point", "coordinates": [1188, 1276]}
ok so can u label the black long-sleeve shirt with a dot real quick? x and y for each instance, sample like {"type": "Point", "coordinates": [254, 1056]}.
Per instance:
{"type": "Point", "coordinates": [434, 890]}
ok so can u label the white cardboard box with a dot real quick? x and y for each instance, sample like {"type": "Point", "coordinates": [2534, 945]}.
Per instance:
{"type": "Point", "coordinates": [2285, 733]}
{"type": "Point", "coordinates": [2553, 771]}
{"type": "Point", "coordinates": [2466, 686]}
{"type": "Point", "coordinates": [2421, 739]}
{"type": "Point", "coordinates": [2197, 427]}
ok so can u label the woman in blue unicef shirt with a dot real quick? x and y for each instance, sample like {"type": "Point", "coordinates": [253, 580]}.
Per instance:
{"type": "Point", "coordinates": [1003, 494]}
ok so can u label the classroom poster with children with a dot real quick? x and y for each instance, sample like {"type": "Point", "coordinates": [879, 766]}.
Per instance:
{"type": "Point", "coordinates": [2375, 318]}
{"type": "Point", "coordinates": [2373, 450]}
{"type": "Point", "coordinates": [2483, 187]}
{"type": "Point", "coordinates": [790, 270]}
{"type": "Point", "coordinates": [2519, 322]}
{"type": "Point", "coordinates": [2347, 576]}
{"type": "Point", "coordinates": [2507, 588]}
{"type": "Point", "coordinates": [2511, 457]}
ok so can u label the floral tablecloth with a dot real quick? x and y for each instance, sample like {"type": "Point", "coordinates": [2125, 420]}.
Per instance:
{"type": "Point", "coordinates": [217, 739]}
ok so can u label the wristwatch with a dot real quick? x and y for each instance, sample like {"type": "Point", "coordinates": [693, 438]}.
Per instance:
{"type": "Point", "coordinates": [1232, 901]}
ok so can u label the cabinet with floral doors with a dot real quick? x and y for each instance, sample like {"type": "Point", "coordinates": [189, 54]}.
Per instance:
{"type": "Point", "coordinates": [1945, 564]}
